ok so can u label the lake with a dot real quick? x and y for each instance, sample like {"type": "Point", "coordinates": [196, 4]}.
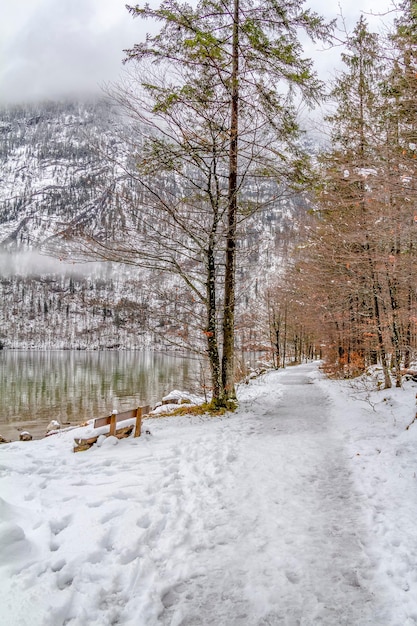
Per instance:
{"type": "Point", "coordinates": [73, 386]}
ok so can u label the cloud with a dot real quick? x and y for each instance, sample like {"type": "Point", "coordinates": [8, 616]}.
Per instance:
{"type": "Point", "coordinates": [57, 49]}
{"type": "Point", "coordinates": [32, 263]}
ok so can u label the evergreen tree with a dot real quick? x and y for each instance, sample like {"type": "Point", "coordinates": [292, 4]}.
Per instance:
{"type": "Point", "coordinates": [214, 96]}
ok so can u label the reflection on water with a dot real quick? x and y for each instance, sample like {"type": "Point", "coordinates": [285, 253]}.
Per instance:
{"type": "Point", "coordinates": [73, 386]}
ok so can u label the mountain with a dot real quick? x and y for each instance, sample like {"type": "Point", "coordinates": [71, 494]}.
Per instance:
{"type": "Point", "coordinates": [55, 165]}
{"type": "Point", "coordinates": [60, 164]}
{"type": "Point", "coordinates": [54, 161]}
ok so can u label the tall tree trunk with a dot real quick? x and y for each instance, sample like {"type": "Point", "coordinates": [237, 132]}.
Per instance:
{"type": "Point", "coordinates": [407, 352]}
{"type": "Point", "coordinates": [375, 291]}
{"type": "Point", "coordinates": [277, 356]}
{"type": "Point", "coordinates": [212, 345]}
{"type": "Point", "coordinates": [284, 347]}
{"type": "Point", "coordinates": [228, 369]}
{"type": "Point", "coordinates": [395, 330]}
{"type": "Point", "coordinates": [381, 343]}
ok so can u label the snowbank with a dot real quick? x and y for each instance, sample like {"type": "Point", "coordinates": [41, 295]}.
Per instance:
{"type": "Point", "coordinates": [299, 508]}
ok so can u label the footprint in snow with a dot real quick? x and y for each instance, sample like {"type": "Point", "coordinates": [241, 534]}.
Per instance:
{"type": "Point", "coordinates": [107, 517]}
{"type": "Point", "coordinates": [57, 526]}
{"type": "Point", "coordinates": [144, 522]}
{"type": "Point", "coordinates": [120, 495]}
{"type": "Point", "coordinates": [64, 580]}
{"type": "Point", "coordinates": [292, 577]}
{"type": "Point", "coordinates": [54, 546]}
{"type": "Point", "coordinates": [106, 542]}
{"type": "Point", "coordinates": [58, 565]}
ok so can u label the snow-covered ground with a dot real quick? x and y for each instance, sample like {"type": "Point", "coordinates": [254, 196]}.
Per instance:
{"type": "Point", "coordinates": [299, 509]}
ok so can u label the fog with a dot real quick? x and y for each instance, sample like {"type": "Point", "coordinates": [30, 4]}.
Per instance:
{"type": "Point", "coordinates": [34, 264]}
{"type": "Point", "coordinates": [54, 49]}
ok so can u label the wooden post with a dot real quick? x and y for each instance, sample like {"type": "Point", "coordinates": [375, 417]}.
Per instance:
{"type": "Point", "coordinates": [138, 427]}
{"type": "Point", "coordinates": [113, 423]}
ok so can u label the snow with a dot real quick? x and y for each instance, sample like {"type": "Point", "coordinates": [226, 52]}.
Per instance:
{"type": "Point", "coordinates": [367, 171]}
{"type": "Point", "coordinates": [298, 509]}
{"type": "Point", "coordinates": [182, 397]}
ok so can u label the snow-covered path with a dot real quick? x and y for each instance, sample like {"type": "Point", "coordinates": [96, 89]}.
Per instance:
{"type": "Point", "coordinates": [323, 555]}
{"type": "Point", "coordinates": [295, 553]}
{"type": "Point", "coordinates": [252, 519]}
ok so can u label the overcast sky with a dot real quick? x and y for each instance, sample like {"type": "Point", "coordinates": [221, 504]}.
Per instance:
{"type": "Point", "coordinates": [56, 48]}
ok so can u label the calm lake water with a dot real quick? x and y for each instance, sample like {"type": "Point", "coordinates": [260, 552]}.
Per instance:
{"type": "Point", "coordinates": [72, 386]}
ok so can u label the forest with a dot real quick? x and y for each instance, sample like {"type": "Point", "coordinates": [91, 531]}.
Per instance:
{"type": "Point", "coordinates": [353, 273]}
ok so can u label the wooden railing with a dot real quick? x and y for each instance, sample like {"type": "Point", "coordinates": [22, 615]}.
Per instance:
{"type": "Point", "coordinates": [112, 421]}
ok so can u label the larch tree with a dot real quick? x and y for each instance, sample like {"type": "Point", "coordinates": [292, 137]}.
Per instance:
{"type": "Point", "coordinates": [354, 272]}
{"type": "Point", "coordinates": [243, 59]}
{"type": "Point", "coordinates": [401, 139]}
{"type": "Point", "coordinates": [213, 96]}
{"type": "Point", "coordinates": [361, 252]}
{"type": "Point", "coordinates": [352, 205]}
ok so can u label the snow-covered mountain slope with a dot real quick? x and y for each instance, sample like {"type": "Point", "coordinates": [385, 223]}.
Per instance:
{"type": "Point", "coordinates": [52, 165]}
{"type": "Point", "coordinates": [61, 163]}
